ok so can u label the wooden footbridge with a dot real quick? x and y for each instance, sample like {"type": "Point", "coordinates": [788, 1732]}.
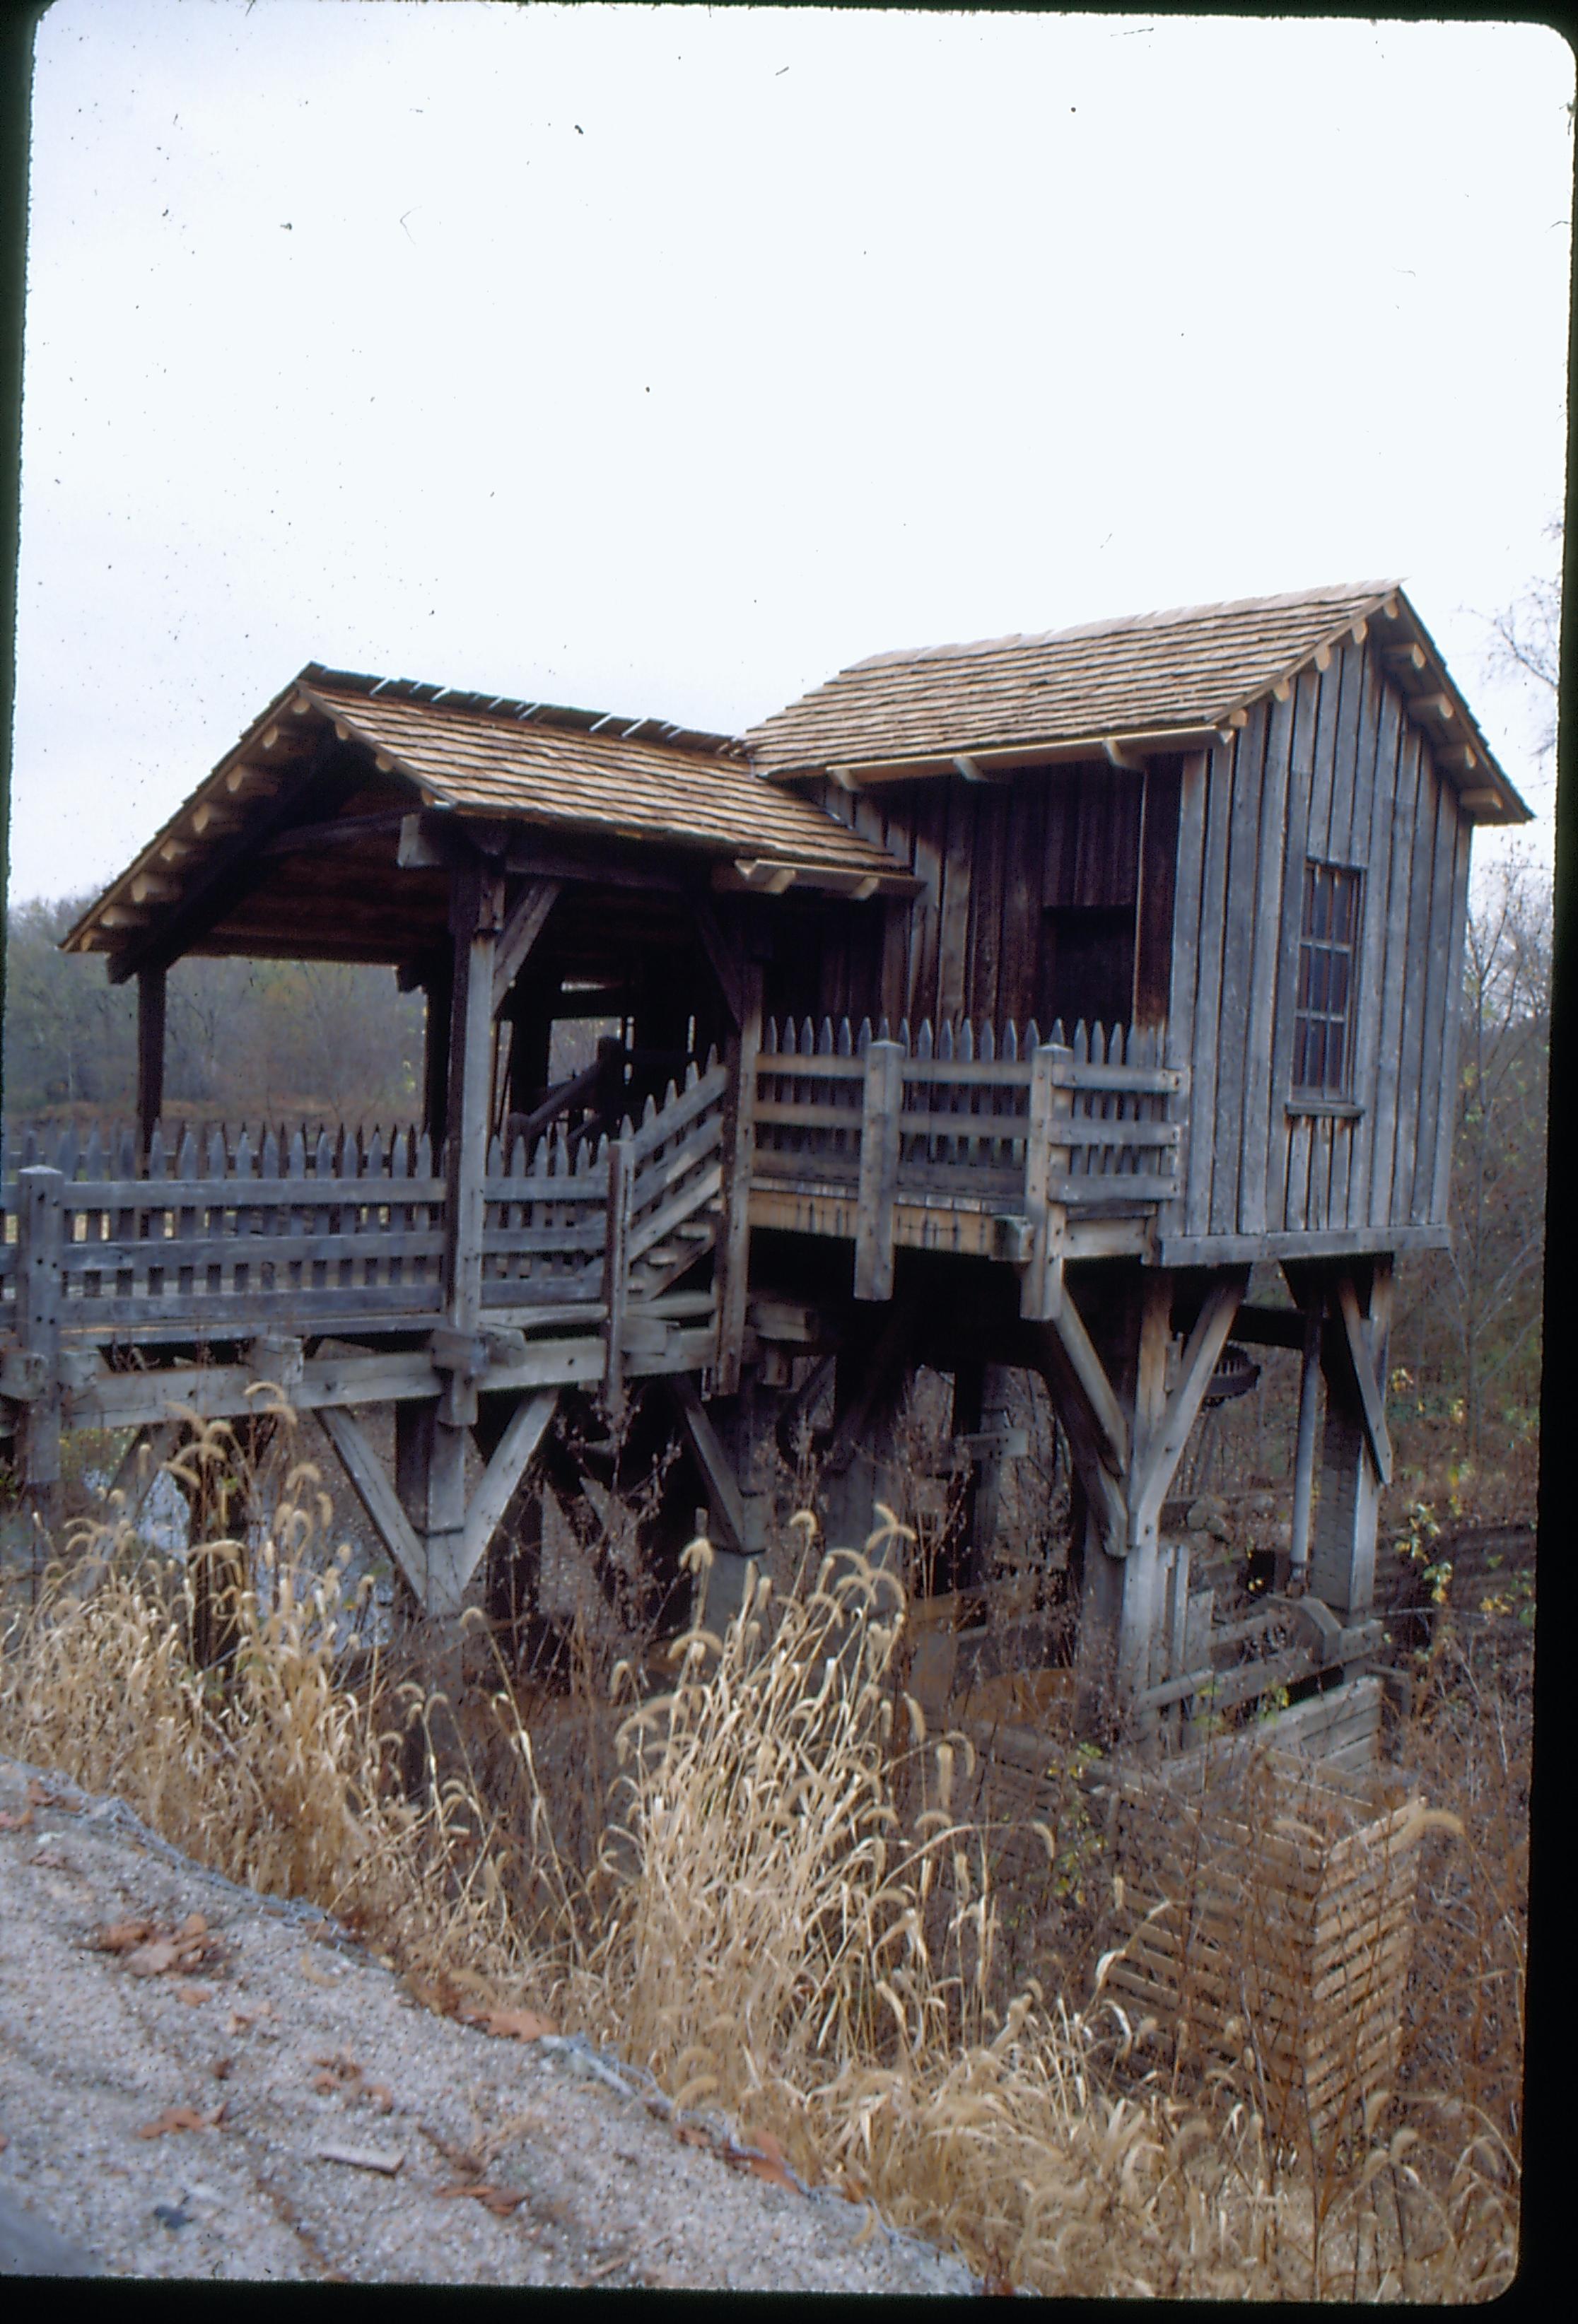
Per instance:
{"type": "Point", "coordinates": [826, 1137]}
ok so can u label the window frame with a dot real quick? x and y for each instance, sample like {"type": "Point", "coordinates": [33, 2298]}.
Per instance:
{"type": "Point", "coordinates": [1319, 947]}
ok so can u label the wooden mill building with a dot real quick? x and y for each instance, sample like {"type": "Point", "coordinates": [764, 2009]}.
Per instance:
{"type": "Point", "coordinates": [994, 1008]}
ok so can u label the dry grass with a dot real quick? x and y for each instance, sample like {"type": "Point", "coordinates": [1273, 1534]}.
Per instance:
{"type": "Point", "coordinates": [775, 1907]}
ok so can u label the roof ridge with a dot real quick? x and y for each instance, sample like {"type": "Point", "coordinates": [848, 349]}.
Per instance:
{"type": "Point", "coordinates": [506, 710]}
{"type": "Point", "coordinates": [1334, 593]}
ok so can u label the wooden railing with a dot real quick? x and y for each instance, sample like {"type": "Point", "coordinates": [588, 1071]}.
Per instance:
{"type": "Point", "coordinates": [962, 1121]}
{"type": "Point", "coordinates": [219, 1238]}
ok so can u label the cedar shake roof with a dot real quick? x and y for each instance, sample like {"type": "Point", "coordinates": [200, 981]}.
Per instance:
{"type": "Point", "coordinates": [1156, 680]}
{"type": "Point", "coordinates": [588, 773]}
{"type": "Point", "coordinates": [575, 773]}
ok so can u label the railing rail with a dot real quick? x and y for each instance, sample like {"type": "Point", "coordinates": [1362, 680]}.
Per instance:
{"type": "Point", "coordinates": [955, 1110]}
{"type": "Point", "coordinates": [221, 1235]}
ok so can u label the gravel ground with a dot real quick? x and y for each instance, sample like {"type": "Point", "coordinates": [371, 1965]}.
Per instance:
{"type": "Point", "coordinates": [178, 2115]}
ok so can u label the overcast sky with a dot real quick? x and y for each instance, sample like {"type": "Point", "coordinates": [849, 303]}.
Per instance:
{"type": "Point", "coordinates": [661, 360]}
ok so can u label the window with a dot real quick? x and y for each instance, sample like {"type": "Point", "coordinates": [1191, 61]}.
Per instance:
{"type": "Point", "coordinates": [1087, 970]}
{"type": "Point", "coordinates": [1322, 1024]}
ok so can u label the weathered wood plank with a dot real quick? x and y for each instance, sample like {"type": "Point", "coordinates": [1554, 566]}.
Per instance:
{"type": "Point", "coordinates": [1372, 845]}
{"type": "Point", "coordinates": [1442, 976]}
{"type": "Point", "coordinates": [1436, 808]}
{"type": "Point", "coordinates": [1281, 1164]}
{"type": "Point", "coordinates": [881, 1116]}
{"type": "Point", "coordinates": [1271, 883]}
{"type": "Point", "coordinates": [523, 925]}
{"type": "Point", "coordinates": [1046, 1157]}
{"type": "Point", "coordinates": [1445, 1125]}
{"type": "Point", "coordinates": [1181, 1409]}
{"type": "Point", "coordinates": [36, 1320]}
{"type": "Point", "coordinates": [1235, 997]}
{"type": "Point", "coordinates": [377, 1495]}
{"type": "Point", "coordinates": [512, 1457]}
{"type": "Point", "coordinates": [725, 1499]}
{"type": "Point", "coordinates": [1390, 1032]}
{"type": "Point", "coordinates": [1210, 926]}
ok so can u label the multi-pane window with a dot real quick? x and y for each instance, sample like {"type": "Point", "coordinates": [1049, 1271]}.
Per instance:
{"type": "Point", "coordinates": [1328, 952]}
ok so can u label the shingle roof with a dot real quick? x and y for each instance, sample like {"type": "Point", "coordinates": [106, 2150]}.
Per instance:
{"type": "Point", "coordinates": [1152, 673]}
{"type": "Point", "coordinates": [578, 772]}
{"type": "Point", "coordinates": [574, 770]}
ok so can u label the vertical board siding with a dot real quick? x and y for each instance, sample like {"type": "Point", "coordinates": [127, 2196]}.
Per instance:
{"type": "Point", "coordinates": [1434, 952]}
{"type": "Point", "coordinates": [1237, 956]}
{"type": "Point", "coordinates": [1388, 1039]}
{"type": "Point", "coordinates": [1446, 1108]}
{"type": "Point", "coordinates": [1219, 794]}
{"type": "Point", "coordinates": [1265, 902]}
{"type": "Point", "coordinates": [1300, 783]}
{"type": "Point", "coordinates": [1373, 833]}
{"type": "Point", "coordinates": [1180, 1027]}
{"type": "Point", "coordinates": [1416, 984]}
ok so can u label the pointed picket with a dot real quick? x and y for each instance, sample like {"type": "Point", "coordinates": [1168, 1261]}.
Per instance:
{"type": "Point", "coordinates": [824, 1039]}
{"type": "Point", "coordinates": [93, 1163]}
{"type": "Point", "coordinates": [988, 1046]}
{"type": "Point", "coordinates": [1010, 1042]}
{"type": "Point", "coordinates": [126, 1153]}
{"type": "Point", "coordinates": [808, 1039]}
{"type": "Point", "coordinates": [844, 1039]}
{"type": "Point", "coordinates": [924, 1045]}
{"type": "Point", "coordinates": [1032, 1040]}
{"type": "Point", "coordinates": [424, 1161]}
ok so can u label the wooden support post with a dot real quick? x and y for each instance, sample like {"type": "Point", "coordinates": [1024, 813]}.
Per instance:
{"type": "Point", "coordinates": [616, 1270]}
{"type": "Point", "coordinates": [1342, 1557]}
{"type": "Point", "coordinates": [150, 1056]}
{"type": "Point", "coordinates": [732, 1261]}
{"type": "Point", "coordinates": [476, 908]}
{"type": "Point", "coordinates": [881, 1113]}
{"type": "Point", "coordinates": [39, 1227]}
{"type": "Point", "coordinates": [1142, 1621]}
{"type": "Point", "coordinates": [438, 985]}
{"type": "Point", "coordinates": [1155, 1467]}
{"type": "Point", "coordinates": [1041, 1281]}
{"type": "Point", "coordinates": [1309, 1390]}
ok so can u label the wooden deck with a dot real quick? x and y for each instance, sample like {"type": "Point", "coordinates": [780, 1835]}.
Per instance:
{"type": "Point", "coordinates": [222, 1265]}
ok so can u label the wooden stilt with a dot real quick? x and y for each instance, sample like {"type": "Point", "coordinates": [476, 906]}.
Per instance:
{"type": "Point", "coordinates": [1342, 1568]}
{"type": "Point", "coordinates": [1309, 1389]}
{"type": "Point", "coordinates": [150, 1056]}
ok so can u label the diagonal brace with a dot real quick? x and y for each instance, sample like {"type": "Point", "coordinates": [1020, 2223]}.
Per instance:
{"type": "Point", "coordinates": [1081, 1357]}
{"type": "Point", "coordinates": [1158, 1460]}
{"type": "Point", "coordinates": [723, 1492]}
{"type": "Point", "coordinates": [377, 1495]}
{"type": "Point", "coordinates": [1358, 1337]}
{"type": "Point", "coordinates": [512, 1456]}
{"type": "Point", "coordinates": [527, 918]}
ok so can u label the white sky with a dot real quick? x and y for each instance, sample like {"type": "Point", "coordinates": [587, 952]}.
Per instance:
{"type": "Point", "coordinates": [659, 360]}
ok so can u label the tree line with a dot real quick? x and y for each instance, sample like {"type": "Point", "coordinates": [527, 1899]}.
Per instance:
{"type": "Point", "coordinates": [245, 1040]}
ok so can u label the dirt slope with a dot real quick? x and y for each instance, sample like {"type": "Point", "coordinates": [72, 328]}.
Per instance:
{"type": "Point", "coordinates": [169, 2108]}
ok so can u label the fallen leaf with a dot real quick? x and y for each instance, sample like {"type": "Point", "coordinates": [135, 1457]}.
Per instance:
{"type": "Point", "coordinates": [689, 2136]}
{"type": "Point", "coordinates": [11, 1820]}
{"type": "Point", "coordinates": [761, 2166]}
{"type": "Point", "coordinates": [4, 2140]}
{"type": "Point", "coordinates": [194, 1925]}
{"type": "Point", "coordinates": [122, 1936]}
{"type": "Point", "coordinates": [379, 2095]}
{"type": "Point", "coordinates": [180, 2119]}
{"type": "Point", "coordinates": [515, 2024]}
{"type": "Point", "coordinates": [153, 1960]}
{"type": "Point", "coordinates": [221, 2068]}
{"type": "Point", "coordinates": [312, 1973]}
{"type": "Point", "coordinates": [193, 1995]}
{"type": "Point", "coordinates": [500, 2200]}
{"type": "Point", "coordinates": [325, 2084]}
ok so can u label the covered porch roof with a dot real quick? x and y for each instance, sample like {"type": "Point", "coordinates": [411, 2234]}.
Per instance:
{"type": "Point", "coordinates": [314, 836]}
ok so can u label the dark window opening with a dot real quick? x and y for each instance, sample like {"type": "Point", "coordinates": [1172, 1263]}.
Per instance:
{"type": "Point", "coordinates": [1322, 1024]}
{"type": "Point", "coordinates": [1086, 965]}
